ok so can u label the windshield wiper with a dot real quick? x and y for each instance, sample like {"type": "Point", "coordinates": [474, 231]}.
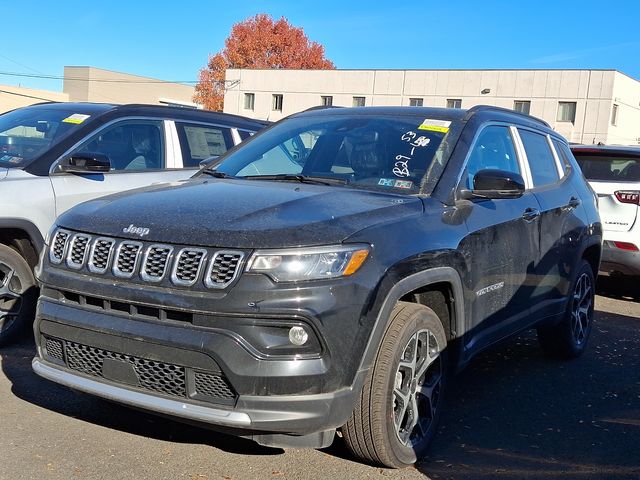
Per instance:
{"type": "Point", "coordinates": [216, 173]}
{"type": "Point", "coordinates": [290, 177]}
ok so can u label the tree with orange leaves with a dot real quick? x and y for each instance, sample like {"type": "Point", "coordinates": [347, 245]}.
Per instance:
{"type": "Point", "coordinates": [258, 42]}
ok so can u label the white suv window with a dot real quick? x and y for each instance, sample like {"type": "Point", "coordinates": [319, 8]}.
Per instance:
{"type": "Point", "coordinates": [130, 145]}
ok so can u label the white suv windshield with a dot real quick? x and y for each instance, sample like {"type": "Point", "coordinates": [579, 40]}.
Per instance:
{"type": "Point", "coordinates": [381, 152]}
{"type": "Point", "coordinates": [26, 133]}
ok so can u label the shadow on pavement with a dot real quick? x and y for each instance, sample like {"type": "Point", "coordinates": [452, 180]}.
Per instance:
{"type": "Point", "coordinates": [619, 287]}
{"type": "Point", "coordinates": [516, 414]}
{"type": "Point", "coordinates": [16, 365]}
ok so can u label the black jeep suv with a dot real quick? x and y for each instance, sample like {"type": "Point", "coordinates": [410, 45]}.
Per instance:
{"type": "Point", "coordinates": [328, 274]}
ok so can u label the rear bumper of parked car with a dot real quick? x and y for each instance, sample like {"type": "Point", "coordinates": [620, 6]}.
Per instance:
{"type": "Point", "coordinates": [620, 260]}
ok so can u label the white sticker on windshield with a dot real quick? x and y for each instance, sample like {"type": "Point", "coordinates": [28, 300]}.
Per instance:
{"type": "Point", "coordinates": [432, 125]}
{"type": "Point", "coordinates": [76, 118]}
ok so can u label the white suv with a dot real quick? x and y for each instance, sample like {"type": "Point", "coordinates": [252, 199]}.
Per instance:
{"type": "Point", "coordinates": [56, 155]}
{"type": "Point", "coordinates": [614, 173]}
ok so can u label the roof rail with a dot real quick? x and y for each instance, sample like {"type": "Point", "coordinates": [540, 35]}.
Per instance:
{"type": "Point", "coordinates": [483, 108]}
{"type": "Point", "coordinates": [321, 107]}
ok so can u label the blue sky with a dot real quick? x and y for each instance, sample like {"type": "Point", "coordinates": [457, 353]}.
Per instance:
{"type": "Point", "coordinates": [171, 40]}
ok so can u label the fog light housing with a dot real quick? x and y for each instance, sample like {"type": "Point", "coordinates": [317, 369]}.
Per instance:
{"type": "Point", "coordinates": [298, 336]}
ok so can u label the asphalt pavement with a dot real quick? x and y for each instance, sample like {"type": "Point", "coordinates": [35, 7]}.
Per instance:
{"type": "Point", "coordinates": [512, 414]}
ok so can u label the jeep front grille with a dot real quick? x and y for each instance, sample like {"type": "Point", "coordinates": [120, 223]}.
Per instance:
{"type": "Point", "coordinates": [155, 262]}
{"type": "Point", "coordinates": [153, 375]}
{"type": "Point", "coordinates": [223, 268]}
{"type": "Point", "coordinates": [147, 262]}
{"type": "Point", "coordinates": [58, 245]}
{"type": "Point", "coordinates": [101, 254]}
{"type": "Point", "coordinates": [127, 259]}
{"type": "Point", "coordinates": [187, 267]}
{"type": "Point", "coordinates": [78, 251]}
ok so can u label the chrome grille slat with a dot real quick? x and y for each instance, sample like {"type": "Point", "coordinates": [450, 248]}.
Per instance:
{"type": "Point", "coordinates": [58, 246]}
{"type": "Point", "coordinates": [223, 268]}
{"type": "Point", "coordinates": [186, 269]}
{"type": "Point", "coordinates": [100, 256]}
{"type": "Point", "coordinates": [155, 262]}
{"type": "Point", "coordinates": [127, 259]}
{"type": "Point", "coordinates": [77, 251]}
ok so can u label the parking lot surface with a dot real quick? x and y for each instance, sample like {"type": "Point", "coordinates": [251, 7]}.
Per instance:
{"type": "Point", "coordinates": [512, 414]}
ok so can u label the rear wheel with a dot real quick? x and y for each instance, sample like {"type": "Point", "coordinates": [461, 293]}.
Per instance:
{"type": "Point", "coordinates": [568, 338]}
{"type": "Point", "coordinates": [17, 294]}
{"type": "Point", "coordinates": [397, 412]}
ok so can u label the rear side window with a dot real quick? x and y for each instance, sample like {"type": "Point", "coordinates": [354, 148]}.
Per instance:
{"type": "Point", "coordinates": [244, 134]}
{"type": "Point", "coordinates": [199, 142]}
{"type": "Point", "coordinates": [609, 168]}
{"type": "Point", "coordinates": [542, 163]}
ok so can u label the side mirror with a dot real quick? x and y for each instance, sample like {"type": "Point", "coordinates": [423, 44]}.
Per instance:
{"type": "Point", "coordinates": [495, 184]}
{"type": "Point", "coordinates": [85, 163]}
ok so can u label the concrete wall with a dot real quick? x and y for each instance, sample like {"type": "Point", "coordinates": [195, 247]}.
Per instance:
{"type": "Point", "coordinates": [90, 84]}
{"type": "Point", "coordinates": [16, 97]}
{"type": "Point", "coordinates": [626, 95]}
{"type": "Point", "coordinates": [592, 90]}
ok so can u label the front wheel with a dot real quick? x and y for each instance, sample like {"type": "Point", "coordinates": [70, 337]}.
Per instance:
{"type": "Point", "coordinates": [18, 294]}
{"type": "Point", "coordinates": [568, 338]}
{"type": "Point", "coordinates": [399, 406]}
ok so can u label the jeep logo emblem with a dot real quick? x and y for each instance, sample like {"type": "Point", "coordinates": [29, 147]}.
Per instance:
{"type": "Point", "coordinates": [140, 231]}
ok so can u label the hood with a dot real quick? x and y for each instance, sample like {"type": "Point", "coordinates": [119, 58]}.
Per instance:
{"type": "Point", "coordinates": [239, 213]}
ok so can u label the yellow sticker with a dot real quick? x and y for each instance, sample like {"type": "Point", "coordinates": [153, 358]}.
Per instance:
{"type": "Point", "coordinates": [76, 118]}
{"type": "Point", "coordinates": [432, 125]}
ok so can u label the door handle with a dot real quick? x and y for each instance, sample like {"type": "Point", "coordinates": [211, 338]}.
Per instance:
{"type": "Point", "coordinates": [573, 203]}
{"type": "Point", "coordinates": [530, 214]}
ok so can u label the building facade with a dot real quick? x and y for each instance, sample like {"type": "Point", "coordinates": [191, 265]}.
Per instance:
{"type": "Point", "coordinates": [586, 106]}
{"type": "Point", "coordinates": [91, 84]}
{"type": "Point", "coordinates": [16, 97]}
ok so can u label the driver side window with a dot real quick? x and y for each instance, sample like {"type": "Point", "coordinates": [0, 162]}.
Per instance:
{"type": "Point", "coordinates": [494, 149]}
{"type": "Point", "coordinates": [130, 145]}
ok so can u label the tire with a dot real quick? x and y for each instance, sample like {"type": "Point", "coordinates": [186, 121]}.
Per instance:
{"type": "Point", "coordinates": [568, 338]}
{"type": "Point", "coordinates": [18, 295]}
{"type": "Point", "coordinates": [379, 430]}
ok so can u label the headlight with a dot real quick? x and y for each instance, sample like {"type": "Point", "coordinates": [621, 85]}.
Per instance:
{"type": "Point", "coordinates": [297, 264]}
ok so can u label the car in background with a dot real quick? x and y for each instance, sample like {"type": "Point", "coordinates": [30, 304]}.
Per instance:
{"type": "Point", "coordinates": [56, 155]}
{"type": "Point", "coordinates": [614, 173]}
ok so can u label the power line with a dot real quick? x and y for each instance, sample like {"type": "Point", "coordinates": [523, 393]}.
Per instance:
{"type": "Point", "coordinates": [81, 79]}
{"type": "Point", "coordinates": [25, 95]}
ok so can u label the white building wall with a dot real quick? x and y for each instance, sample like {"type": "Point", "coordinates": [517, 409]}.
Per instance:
{"type": "Point", "coordinates": [592, 90]}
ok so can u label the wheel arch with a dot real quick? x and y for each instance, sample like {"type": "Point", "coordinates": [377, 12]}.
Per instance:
{"type": "Point", "coordinates": [417, 282]}
{"type": "Point", "coordinates": [23, 236]}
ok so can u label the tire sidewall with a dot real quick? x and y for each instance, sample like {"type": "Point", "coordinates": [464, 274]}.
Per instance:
{"type": "Point", "coordinates": [424, 319]}
{"type": "Point", "coordinates": [21, 269]}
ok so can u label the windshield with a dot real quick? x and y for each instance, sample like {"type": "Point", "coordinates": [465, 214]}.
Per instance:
{"type": "Point", "coordinates": [365, 151]}
{"type": "Point", "coordinates": [26, 133]}
{"type": "Point", "coordinates": [609, 168]}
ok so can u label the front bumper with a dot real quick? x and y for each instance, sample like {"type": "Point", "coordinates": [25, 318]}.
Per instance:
{"type": "Point", "coordinates": [618, 260]}
{"type": "Point", "coordinates": [278, 399]}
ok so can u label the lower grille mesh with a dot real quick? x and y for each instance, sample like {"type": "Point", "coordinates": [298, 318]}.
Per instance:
{"type": "Point", "coordinates": [161, 377]}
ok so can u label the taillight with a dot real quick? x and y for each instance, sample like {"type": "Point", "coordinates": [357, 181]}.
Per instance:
{"type": "Point", "coordinates": [626, 246]}
{"type": "Point", "coordinates": [625, 196]}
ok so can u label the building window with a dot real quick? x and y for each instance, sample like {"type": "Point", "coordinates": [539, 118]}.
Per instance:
{"type": "Point", "coordinates": [327, 100]}
{"type": "Point", "coordinates": [358, 101]}
{"type": "Point", "coordinates": [522, 106]}
{"type": "Point", "coordinates": [566, 112]}
{"type": "Point", "coordinates": [614, 115]}
{"type": "Point", "coordinates": [276, 103]}
{"type": "Point", "coordinates": [454, 103]}
{"type": "Point", "coordinates": [249, 101]}
{"type": "Point", "coordinates": [415, 102]}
